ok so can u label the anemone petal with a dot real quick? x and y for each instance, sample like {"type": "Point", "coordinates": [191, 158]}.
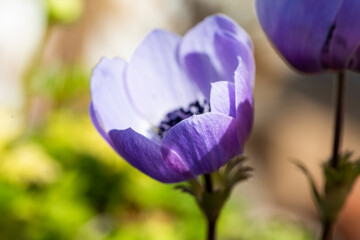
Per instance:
{"type": "Point", "coordinates": [222, 98]}
{"type": "Point", "coordinates": [205, 142]}
{"type": "Point", "coordinates": [148, 156]}
{"type": "Point", "coordinates": [155, 80]}
{"type": "Point", "coordinates": [345, 38]}
{"type": "Point", "coordinates": [209, 51]}
{"type": "Point", "coordinates": [299, 29]}
{"type": "Point", "coordinates": [244, 103]}
{"type": "Point", "coordinates": [110, 100]}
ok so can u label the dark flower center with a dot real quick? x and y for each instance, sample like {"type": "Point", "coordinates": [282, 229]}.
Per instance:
{"type": "Point", "coordinates": [176, 116]}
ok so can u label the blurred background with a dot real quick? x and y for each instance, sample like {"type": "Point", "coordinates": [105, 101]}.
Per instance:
{"type": "Point", "coordinates": [59, 179]}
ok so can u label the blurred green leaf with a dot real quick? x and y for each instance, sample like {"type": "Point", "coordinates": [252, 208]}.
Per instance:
{"type": "Point", "coordinates": [64, 11]}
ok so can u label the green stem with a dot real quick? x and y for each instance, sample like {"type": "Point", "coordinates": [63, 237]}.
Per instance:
{"type": "Point", "coordinates": [327, 225]}
{"type": "Point", "coordinates": [211, 220]}
{"type": "Point", "coordinates": [327, 230]}
{"type": "Point", "coordinates": [208, 183]}
{"type": "Point", "coordinates": [211, 229]}
{"type": "Point", "coordinates": [339, 116]}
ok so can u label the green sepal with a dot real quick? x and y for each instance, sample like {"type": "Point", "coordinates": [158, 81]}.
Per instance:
{"type": "Point", "coordinates": [338, 185]}
{"type": "Point", "coordinates": [315, 193]}
{"type": "Point", "coordinates": [223, 182]}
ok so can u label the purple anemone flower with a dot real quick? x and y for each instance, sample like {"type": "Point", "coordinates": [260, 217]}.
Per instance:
{"type": "Point", "coordinates": [182, 106]}
{"type": "Point", "coordinates": [314, 35]}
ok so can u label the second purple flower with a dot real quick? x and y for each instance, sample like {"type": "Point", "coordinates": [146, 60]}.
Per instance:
{"type": "Point", "coordinates": [182, 106]}
{"type": "Point", "coordinates": [314, 36]}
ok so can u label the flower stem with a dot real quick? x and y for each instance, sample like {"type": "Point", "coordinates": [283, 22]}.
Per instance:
{"type": "Point", "coordinates": [327, 231]}
{"type": "Point", "coordinates": [327, 225]}
{"type": "Point", "coordinates": [211, 229]}
{"type": "Point", "coordinates": [211, 219]}
{"type": "Point", "coordinates": [339, 116]}
{"type": "Point", "coordinates": [208, 183]}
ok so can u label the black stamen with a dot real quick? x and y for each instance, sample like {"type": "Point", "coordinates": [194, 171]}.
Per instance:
{"type": "Point", "coordinates": [176, 116]}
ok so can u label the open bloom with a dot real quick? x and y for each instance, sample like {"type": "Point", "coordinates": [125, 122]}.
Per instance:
{"type": "Point", "coordinates": [182, 106]}
{"type": "Point", "coordinates": [314, 35]}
